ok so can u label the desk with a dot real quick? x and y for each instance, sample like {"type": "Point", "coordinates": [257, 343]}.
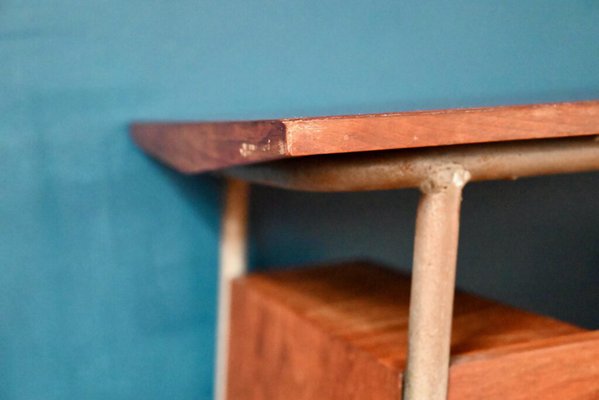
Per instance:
{"type": "Point", "coordinates": [438, 152]}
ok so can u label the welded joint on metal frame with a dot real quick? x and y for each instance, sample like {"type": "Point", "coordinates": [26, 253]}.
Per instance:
{"type": "Point", "coordinates": [444, 176]}
{"type": "Point", "coordinates": [433, 282]}
{"type": "Point", "coordinates": [232, 264]}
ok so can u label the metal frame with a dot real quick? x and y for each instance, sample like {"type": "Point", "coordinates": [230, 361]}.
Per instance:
{"type": "Point", "coordinates": [399, 169]}
{"type": "Point", "coordinates": [433, 283]}
{"type": "Point", "coordinates": [233, 264]}
{"type": "Point", "coordinates": [441, 174]}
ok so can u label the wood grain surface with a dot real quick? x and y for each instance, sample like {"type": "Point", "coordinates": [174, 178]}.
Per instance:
{"type": "Point", "coordinates": [204, 146]}
{"type": "Point", "coordinates": [339, 332]}
{"type": "Point", "coordinates": [566, 367]}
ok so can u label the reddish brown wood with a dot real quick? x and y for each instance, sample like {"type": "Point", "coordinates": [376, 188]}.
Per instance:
{"type": "Point", "coordinates": [339, 332]}
{"type": "Point", "coordinates": [561, 368]}
{"type": "Point", "coordinates": [204, 146]}
{"type": "Point", "coordinates": [198, 147]}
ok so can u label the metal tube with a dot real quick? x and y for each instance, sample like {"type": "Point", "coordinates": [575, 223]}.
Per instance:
{"type": "Point", "coordinates": [233, 264]}
{"type": "Point", "coordinates": [433, 283]}
{"type": "Point", "coordinates": [384, 170]}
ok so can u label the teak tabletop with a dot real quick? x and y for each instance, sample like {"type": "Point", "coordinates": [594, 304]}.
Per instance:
{"type": "Point", "coordinates": [194, 147]}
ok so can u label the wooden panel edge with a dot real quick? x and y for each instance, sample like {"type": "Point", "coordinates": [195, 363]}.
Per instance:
{"type": "Point", "coordinates": [555, 341]}
{"type": "Point", "coordinates": [370, 132]}
{"type": "Point", "coordinates": [205, 146]}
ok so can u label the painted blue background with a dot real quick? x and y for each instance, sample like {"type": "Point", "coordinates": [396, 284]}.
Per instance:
{"type": "Point", "coordinates": [107, 260]}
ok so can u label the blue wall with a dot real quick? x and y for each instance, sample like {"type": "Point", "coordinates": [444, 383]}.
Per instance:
{"type": "Point", "coordinates": [107, 260]}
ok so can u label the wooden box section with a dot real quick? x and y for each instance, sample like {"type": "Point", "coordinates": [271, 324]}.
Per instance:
{"type": "Point", "coordinates": [339, 332]}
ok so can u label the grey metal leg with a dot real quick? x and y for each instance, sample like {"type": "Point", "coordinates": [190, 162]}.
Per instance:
{"type": "Point", "coordinates": [233, 264]}
{"type": "Point", "coordinates": [433, 284]}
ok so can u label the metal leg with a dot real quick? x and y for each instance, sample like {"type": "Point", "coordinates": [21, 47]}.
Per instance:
{"type": "Point", "coordinates": [433, 284]}
{"type": "Point", "coordinates": [233, 263]}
